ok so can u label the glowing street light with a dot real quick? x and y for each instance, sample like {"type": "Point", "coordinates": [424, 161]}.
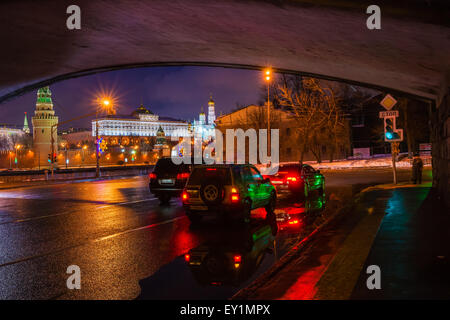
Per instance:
{"type": "Point", "coordinates": [268, 77]}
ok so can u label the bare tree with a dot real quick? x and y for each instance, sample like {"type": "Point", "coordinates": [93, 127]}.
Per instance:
{"type": "Point", "coordinates": [318, 114]}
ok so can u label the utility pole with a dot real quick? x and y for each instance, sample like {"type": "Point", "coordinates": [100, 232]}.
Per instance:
{"type": "Point", "coordinates": [394, 153]}
{"type": "Point", "coordinates": [97, 167]}
{"type": "Point", "coordinates": [268, 78]}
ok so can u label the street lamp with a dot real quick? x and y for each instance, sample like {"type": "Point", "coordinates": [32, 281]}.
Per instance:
{"type": "Point", "coordinates": [268, 77]}
{"type": "Point", "coordinates": [17, 147]}
{"type": "Point", "coordinates": [104, 103]}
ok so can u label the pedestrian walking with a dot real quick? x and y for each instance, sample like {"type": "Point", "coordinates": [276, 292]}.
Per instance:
{"type": "Point", "coordinates": [417, 167]}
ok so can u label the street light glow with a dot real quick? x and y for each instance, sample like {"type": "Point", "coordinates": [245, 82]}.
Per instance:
{"type": "Point", "coordinates": [268, 73]}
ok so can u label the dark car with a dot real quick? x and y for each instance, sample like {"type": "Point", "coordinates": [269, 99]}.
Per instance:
{"type": "Point", "coordinates": [168, 179]}
{"type": "Point", "coordinates": [230, 189]}
{"type": "Point", "coordinates": [298, 179]}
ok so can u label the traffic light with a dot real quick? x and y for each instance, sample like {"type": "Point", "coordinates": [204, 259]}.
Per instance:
{"type": "Point", "coordinates": [50, 157]}
{"type": "Point", "coordinates": [391, 133]}
{"type": "Point", "coordinates": [54, 158]}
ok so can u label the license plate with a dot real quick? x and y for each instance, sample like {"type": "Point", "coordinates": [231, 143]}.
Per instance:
{"type": "Point", "coordinates": [199, 207]}
{"type": "Point", "coordinates": [167, 181]}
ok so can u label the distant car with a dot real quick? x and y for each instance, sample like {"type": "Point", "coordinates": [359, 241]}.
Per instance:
{"type": "Point", "coordinates": [230, 189]}
{"type": "Point", "coordinates": [298, 179]}
{"type": "Point", "coordinates": [168, 179]}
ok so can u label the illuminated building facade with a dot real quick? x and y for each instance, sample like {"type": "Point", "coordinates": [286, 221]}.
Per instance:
{"type": "Point", "coordinates": [142, 123]}
{"type": "Point", "coordinates": [205, 128]}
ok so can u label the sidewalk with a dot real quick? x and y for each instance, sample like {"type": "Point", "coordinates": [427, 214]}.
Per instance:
{"type": "Point", "coordinates": [403, 230]}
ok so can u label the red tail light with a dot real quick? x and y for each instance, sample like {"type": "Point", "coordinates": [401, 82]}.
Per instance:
{"type": "Point", "coordinates": [187, 257]}
{"type": "Point", "coordinates": [294, 221]}
{"type": "Point", "coordinates": [237, 261]}
{"type": "Point", "coordinates": [234, 195]}
{"type": "Point", "coordinates": [292, 179]}
{"type": "Point", "coordinates": [152, 175]}
{"type": "Point", "coordinates": [183, 175]}
{"type": "Point", "coordinates": [184, 196]}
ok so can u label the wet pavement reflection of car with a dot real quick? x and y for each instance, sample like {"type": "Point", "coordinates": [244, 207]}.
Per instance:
{"type": "Point", "coordinates": [229, 259]}
{"type": "Point", "coordinates": [293, 217]}
{"type": "Point", "coordinates": [233, 259]}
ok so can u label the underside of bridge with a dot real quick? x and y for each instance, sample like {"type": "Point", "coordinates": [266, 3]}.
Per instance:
{"type": "Point", "coordinates": [326, 38]}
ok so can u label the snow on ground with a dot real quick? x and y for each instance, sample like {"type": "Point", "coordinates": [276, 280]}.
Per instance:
{"type": "Point", "coordinates": [361, 163]}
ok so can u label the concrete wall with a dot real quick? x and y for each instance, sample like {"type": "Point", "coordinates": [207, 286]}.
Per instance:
{"type": "Point", "coordinates": [440, 136]}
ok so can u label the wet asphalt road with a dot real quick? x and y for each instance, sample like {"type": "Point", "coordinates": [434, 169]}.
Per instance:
{"type": "Point", "coordinates": [118, 235]}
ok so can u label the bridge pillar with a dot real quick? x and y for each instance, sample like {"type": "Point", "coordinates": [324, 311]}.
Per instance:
{"type": "Point", "coordinates": [440, 135]}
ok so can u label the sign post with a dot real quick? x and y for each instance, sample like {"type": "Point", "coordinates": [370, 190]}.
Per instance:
{"type": "Point", "coordinates": [391, 133]}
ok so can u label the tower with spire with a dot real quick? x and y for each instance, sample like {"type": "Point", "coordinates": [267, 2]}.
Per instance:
{"type": "Point", "coordinates": [25, 128]}
{"type": "Point", "coordinates": [43, 120]}
{"type": "Point", "coordinates": [211, 111]}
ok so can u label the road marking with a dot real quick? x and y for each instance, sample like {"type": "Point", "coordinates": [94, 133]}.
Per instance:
{"type": "Point", "coordinates": [64, 213]}
{"type": "Point", "coordinates": [128, 202]}
{"type": "Point", "coordinates": [137, 229]}
{"type": "Point", "coordinates": [92, 241]}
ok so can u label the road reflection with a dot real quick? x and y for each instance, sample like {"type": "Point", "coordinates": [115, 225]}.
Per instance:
{"type": "Point", "coordinates": [231, 255]}
{"type": "Point", "coordinates": [291, 219]}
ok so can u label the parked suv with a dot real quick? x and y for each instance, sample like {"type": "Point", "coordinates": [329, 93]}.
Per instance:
{"type": "Point", "coordinates": [231, 189]}
{"type": "Point", "coordinates": [168, 179]}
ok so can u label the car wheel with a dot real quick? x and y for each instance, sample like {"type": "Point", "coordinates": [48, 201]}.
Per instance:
{"type": "Point", "coordinates": [211, 192]}
{"type": "Point", "coordinates": [194, 217]}
{"type": "Point", "coordinates": [321, 191]}
{"type": "Point", "coordinates": [270, 208]}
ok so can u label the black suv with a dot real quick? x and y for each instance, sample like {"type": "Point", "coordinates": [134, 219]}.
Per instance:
{"type": "Point", "coordinates": [231, 189]}
{"type": "Point", "coordinates": [168, 179]}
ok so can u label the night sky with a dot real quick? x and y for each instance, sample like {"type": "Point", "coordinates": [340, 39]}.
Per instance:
{"type": "Point", "coordinates": [177, 92]}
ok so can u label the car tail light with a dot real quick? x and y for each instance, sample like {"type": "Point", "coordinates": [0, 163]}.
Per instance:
{"type": "Point", "coordinates": [183, 175]}
{"type": "Point", "coordinates": [294, 221]}
{"type": "Point", "coordinates": [292, 179]}
{"type": "Point", "coordinates": [237, 261]}
{"type": "Point", "coordinates": [234, 195]}
{"type": "Point", "coordinates": [211, 169]}
{"type": "Point", "coordinates": [187, 257]}
{"type": "Point", "coordinates": [152, 175]}
{"type": "Point", "coordinates": [184, 196]}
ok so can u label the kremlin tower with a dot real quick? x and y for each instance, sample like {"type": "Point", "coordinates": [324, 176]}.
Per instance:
{"type": "Point", "coordinates": [43, 120]}
{"type": "Point", "coordinates": [25, 128]}
{"type": "Point", "coordinates": [211, 111]}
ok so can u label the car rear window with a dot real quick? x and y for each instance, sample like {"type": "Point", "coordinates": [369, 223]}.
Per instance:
{"type": "Point", "coordinates": [288, 168]}
{"type": "Point", "coordinates": [200, 175]}
{"type": "Point", "coordinates": [166, 165]}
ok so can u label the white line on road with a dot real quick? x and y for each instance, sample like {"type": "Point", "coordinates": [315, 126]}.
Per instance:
{"type": "Point", "coordinates": [65, 213]}
{"type": "Point", "coordinates": [93, 241]}
{"type": "Point", "coordinates": [140, 228]}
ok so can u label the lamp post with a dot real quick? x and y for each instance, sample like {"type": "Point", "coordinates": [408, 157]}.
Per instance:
{"type": "Point", "coordinates": [16, 161]}
{"type": "Point", "coordinates": [268, 78]}
{"type": "Point", "coordinates": [104, 103]}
